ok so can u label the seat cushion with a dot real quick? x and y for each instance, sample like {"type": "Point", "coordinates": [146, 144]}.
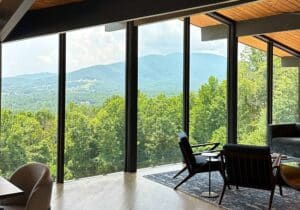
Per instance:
{"type": "Point", "coordinates": [286, 145]}
{"type": "Point", "coordinates": [200, 160]}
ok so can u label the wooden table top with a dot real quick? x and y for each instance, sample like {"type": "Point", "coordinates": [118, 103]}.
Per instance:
{"type": "Point", "coordinates": [7, 189]}
{"type": "Point", "coordinates": [290, 173]}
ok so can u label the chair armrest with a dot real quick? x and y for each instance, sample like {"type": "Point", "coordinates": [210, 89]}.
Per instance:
{"type": "Point", "coordinates": [276, 165]}
{"type": "Point", "coordinates": [276, 162]}
{"type": "Point", "coordinates": [214, 145]}
{"type": "Point", "coordinates": [210, 151]}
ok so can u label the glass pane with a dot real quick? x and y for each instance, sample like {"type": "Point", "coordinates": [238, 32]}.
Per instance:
{"type": "Point", "coordinates": [207, 86]}
{"type": "Point", "coordinates": [285, 93]}
{"type": "Point", "coordinates": [29, 104]}
{"type": "Point", "coordinates": [95, 127]}
{"type": "Point", "coordinates": [160, 96]}
{"type": "Point", "coordinates": [252, 96]}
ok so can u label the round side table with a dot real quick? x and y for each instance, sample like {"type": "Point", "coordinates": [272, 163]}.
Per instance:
{"type": "Point", "coordinates": [209, 194]}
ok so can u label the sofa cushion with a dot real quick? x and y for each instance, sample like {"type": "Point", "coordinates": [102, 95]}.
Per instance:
{"type": "Point", "coordinates": [286, 145]}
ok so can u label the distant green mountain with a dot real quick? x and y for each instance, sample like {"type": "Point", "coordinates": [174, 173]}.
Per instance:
{"type": "Point", "coordinates": [92, 85]}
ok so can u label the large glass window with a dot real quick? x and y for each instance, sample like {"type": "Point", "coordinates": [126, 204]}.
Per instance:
{"type": "Point", "coordinates": [160, 92]}
{"type": "Point", "coordinates": [252, 95]}
{"type": "Point", "coordinates": [95, 127]}
{"type": "Point", "coordinates": [285, 93]}
{"type": "Point", "coordinates": [208, 70]}
{"type": "Point", "coordinates": [29, 103]}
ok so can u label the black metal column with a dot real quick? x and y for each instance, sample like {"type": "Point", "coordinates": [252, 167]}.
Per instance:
{"type": "Point", "coordinates": [232, 85]}
{"type": "Point", "coordinates": [131, 97]}
{"type": "Point", "coordinates": [269, 87]}
{"type": "Point", "coordinates": [186, 75]}
{"type": "Point", "coordinates": [270, 83]}
{"type": "Point", "coordinates": [61, 108]}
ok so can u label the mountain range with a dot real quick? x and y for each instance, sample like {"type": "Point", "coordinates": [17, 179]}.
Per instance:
{"type": "Point", "coordinates": [92, 85]}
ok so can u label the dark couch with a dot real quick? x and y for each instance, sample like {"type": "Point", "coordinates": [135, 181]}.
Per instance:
{"type": "Point", "coordinates": [285, 138]}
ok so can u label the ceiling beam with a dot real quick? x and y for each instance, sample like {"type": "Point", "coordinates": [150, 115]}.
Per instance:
{"type": "Point", "coordinates": [216, 32]}
{"type": "Point", "coordinates": [115, 26]}
{"type": "Point", "coordinates": [181, 14]}
{"type": "Point", "coordinates": [187, 13]}
{"type": "Point", "coordinates": [290, 61]}
{"type": "Point", "coordinates": [13, 11]}
{"type": "Point", "coordinates": [95, 12]}
{"type": "Point", "coordinates": [276, 23]}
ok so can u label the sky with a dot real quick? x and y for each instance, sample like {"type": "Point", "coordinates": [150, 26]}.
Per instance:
{"type": "Point", "coordinates": [94, 46]}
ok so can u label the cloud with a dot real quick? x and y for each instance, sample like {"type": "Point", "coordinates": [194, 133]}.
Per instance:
{"type": "Point", "coordinates": [30, 56]}
{"type": "Point", "coordinates": [161, 38]}
{"type": "Point", "coordinates": [94, 46]}
{"type": "Point", "coordinates": [218, 47]}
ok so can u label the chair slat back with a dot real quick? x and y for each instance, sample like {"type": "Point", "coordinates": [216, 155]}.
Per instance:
{"type": "Point", "coordinates": [248, 166]}
{"type": "Point", "coordinates": [186, 150]}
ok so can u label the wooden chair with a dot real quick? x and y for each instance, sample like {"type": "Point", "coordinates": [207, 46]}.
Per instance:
{"type": "Point", "coordinates": [249, 166]}
{"type": "Point", "coordinates": [195, 162]}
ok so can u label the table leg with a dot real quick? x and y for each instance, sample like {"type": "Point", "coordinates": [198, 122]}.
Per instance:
{"type": "Point", "coordinates": [209, 194]}
{"type": "Point", "coordinates": [209, 182]}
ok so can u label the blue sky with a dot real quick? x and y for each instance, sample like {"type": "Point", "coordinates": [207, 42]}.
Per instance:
{"type": "Point", "coordinates": [92, 46]}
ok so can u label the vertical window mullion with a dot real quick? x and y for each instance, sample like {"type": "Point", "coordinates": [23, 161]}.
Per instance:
{"type": "Point", "coordinates": [61, 108]}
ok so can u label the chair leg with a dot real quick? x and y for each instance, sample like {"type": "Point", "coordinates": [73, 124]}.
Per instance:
{"type": "Point", "coordinates": [280, 190]}
{"type": "Point", "coordinates": [223, 192]}
{"type": "Point", "coordinates": [184, 180]}
{"type": "Point", "coordinates": [182, 170]}
{"type": "Point", "coordinates": [271, 198]}
{"type": "Point", "coordinates": [223, 176]}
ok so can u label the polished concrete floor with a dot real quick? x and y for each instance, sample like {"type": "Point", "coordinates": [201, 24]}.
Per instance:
{"type": "Point", "coordinates": [124, 191]}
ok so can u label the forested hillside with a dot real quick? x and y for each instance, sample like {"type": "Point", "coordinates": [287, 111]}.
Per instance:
{"type": "Point", "coordinates": [94, 84]}
{"type": "Point", "coordinates": [95, 133]}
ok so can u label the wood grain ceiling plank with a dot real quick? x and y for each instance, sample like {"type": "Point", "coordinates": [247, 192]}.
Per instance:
{"type": "Point", "coordinates": [258, 44]}
{"type": "Point", "coordinates": [203, 20]}
{"type": "Point", "coordinates": [288, 38]}
{"type": "Point", "coordinates": [261, 9]}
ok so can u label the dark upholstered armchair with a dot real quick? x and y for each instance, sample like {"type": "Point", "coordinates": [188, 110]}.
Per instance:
{"type": "Point", "coordinates": [195, 162]}
{"type": "Point", "coordinates": [285, 138]}
{"type": "Point", "coordinates": [249, 166]}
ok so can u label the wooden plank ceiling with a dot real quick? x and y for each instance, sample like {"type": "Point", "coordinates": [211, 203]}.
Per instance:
{"type": "Point", "coordinates": [203, 20]}
{"type": "Point", "coordinates": [289, 38]}
{"type": "Point", "coordinates": [42, 4]}
{"type": "Point", "coordinates": [248, 11]}
{"type": "Point", "coordinates": [261, 8]}
{"type": "Point", "coordinates": [255, 10]}
{"type": "Point", "coordinates": [261, 45]}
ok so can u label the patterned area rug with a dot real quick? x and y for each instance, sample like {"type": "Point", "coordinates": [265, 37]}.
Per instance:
{"type": "Point", "coordinates": [237, 199]}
